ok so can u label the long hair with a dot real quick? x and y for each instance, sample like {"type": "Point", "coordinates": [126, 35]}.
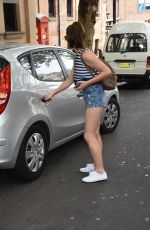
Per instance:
{"type": "Point", "coordinates": [75, 35]}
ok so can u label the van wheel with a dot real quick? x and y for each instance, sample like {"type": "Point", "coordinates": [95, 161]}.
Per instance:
{"type": "Point", "coordinates": [111, 116]}
{"type": "Point", "coordinates": [32, 155]}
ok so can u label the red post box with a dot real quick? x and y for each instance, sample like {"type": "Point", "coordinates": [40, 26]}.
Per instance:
{"type": "Point", "coordinates": [42, 29]}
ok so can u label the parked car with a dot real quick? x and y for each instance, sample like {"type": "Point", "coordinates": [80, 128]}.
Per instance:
{"type": "Point", "coordinates": [29, 128]}
{"type": "Point", "coordinates": [127, 49]}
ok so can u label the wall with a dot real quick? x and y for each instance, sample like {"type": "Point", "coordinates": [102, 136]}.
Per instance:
{"type": "Point", "coordinates": [128, 10]}
{"type": "Point", "coordinates": [27, 20]}
{"type": "Point", "coordinates": [65, 21]}
{"type": "Point", "coordinates": [27, 24]}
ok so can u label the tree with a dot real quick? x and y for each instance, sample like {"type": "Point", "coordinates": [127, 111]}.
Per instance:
{"type": "Point", "coordinates": [87, 17]}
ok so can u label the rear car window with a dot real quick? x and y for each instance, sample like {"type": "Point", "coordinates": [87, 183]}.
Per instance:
{"type": "Point", "coordinates": [128, 42]}
{"type": "Point", "coordinates": [26, 63]}
{"type": "Point", "coordinates": [46, 65]}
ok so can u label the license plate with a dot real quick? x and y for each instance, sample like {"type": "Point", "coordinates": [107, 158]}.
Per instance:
{"type": "Point", "coordinates": [125, 65]}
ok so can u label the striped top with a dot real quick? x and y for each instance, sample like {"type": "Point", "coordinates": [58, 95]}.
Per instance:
{"type": "Point", "coordinates": [81, 71]}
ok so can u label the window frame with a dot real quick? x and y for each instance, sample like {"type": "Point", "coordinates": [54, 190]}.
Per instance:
{"type": "Point", "coordinates": [52, 10]}
{"type": "Point", "coordinates": [117, 37]}
{"type": "Point", "coordinates": [69, 8]}
{"type": "Point", "coordinates": [59, 62]}
{"type": "Point", "coordinates": [11, 23]}
{"type": "Point", "coordinates": [56, 52]}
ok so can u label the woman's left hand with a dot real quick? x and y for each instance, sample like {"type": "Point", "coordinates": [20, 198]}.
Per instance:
{"type": "Point", "coordinates": [81, 85]}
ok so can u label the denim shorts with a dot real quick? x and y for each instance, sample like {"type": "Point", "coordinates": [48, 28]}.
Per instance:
{"type": "Point", "coordinates": [94, 96]}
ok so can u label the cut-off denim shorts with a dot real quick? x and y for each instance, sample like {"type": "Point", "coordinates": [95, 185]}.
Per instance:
{"type": "Point", "coordinates": [94, 96]}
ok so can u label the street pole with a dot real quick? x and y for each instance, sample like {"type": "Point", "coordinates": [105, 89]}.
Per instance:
{"type": "Point", "coordinates": [118, 9]}
{"type": "Point", "coordinates": [38, 3]}
{"type": "Point", "coordinates": [114, 11]}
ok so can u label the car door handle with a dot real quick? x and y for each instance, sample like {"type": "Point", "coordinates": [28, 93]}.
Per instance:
{"type": "Point", "coordinates": [80, 94]}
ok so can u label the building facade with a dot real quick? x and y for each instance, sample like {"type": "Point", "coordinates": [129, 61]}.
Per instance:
{"type": "Point", "coordinates": [63, 13]}
{"type": "Point", "coordinates": [135, 10]}
{"type": "Point", "coordinates": [18, 20]}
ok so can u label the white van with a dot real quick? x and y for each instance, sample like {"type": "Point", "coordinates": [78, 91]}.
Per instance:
{"type": "Point", "coordinates": [127, 49]}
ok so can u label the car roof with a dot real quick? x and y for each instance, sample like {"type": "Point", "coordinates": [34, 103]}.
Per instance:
{"type": "Point", "coordinates": [12, 49]}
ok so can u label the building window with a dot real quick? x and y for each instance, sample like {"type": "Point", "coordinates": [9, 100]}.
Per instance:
{"type": "Point", "coordinates": [147, 4]}
{"type": "Point", "coordinates": [52, 8]}
{"type": "Point", "coordinates": [97, 8]}
{"type": "Point", "coordinates": [143, 5]}
{"type": "Point", "coordinates": [69, 8]}
{"type": "Point", "coordinates": [11, 15]}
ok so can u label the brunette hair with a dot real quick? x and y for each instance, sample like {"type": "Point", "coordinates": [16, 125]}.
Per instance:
{"type": "Point", "coordinates": [75, 35]}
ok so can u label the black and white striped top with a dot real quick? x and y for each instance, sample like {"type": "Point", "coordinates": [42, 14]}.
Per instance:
{"type": "Point", "coordinates": [81, 71]}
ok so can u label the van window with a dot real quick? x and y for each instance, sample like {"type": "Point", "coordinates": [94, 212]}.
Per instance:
{"type": "Point", "coordinates": [129, 42]}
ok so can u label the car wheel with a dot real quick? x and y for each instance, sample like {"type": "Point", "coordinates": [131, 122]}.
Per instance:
{"type": "Point", "coordinates": [111, 116]}
{"type": "Point", "coordinates": [32, 154]}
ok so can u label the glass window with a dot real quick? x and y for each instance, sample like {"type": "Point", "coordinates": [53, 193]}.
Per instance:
{"type": "Point", "coordinates": [68, 59]}
{"type": "Point", "coordinates": [69, 8]}
{"type": "Point", "coordinates": [10, 8]}
{"type": "Point", "coordinates": [46, 66]}
{"type": "Point", "coordinates": [147, 4]}
{"type": "Point", "coordinates": [127, 43]}
{"type": "Point", "coordinates": [25, 61]}
{"type": "Point", "coordinates": [143, 5]}
{"type": "Point", "coordinates": [52, 8]}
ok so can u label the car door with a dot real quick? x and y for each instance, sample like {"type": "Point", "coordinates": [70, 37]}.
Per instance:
{"type": "Point", "coordinates": [65, 110]}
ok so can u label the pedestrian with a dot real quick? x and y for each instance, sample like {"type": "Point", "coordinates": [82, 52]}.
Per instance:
{"type": "Point", "coordinates": [89, 82]}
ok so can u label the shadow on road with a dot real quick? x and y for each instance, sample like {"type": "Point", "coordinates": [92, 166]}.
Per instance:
{"type": "Point", "coordinates": [55, 158]}
{"type": "Point", "coordinates": [132, 85]}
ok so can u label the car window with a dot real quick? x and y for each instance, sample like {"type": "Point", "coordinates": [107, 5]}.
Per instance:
{"type": "Point", "coordinates": [67, 58]}
{"type": "Point", "coordinates": [25, 61]}
{"type": "Point", "coordinates": [46, 66]}
{"type": "Point", "coordinates": [129, 42]}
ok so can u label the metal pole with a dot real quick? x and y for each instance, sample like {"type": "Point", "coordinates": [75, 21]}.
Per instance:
{"type": "Point", "coordinates": [59, 34]}
{"type": "Point", "coordinates": [38, 3]}
{"type": "Point", "coordinates": [114, 11]}
{"type": "Point", "coordinates": [118, 9]}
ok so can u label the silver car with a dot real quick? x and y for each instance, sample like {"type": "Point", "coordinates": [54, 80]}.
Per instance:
{"type": "Point", "coordinates": [29, 128]}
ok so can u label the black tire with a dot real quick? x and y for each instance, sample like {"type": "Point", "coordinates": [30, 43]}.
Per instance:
{"type": "Point", "coordinates": [32, 154]}
{"type": "Point", "coordinates": [111, 116]}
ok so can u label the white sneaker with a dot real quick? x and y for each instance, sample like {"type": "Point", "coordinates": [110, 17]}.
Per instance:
{"type": "Point", "coordinates": [95, 176]}
{"type": "Point", "coordinates": [88, 168]}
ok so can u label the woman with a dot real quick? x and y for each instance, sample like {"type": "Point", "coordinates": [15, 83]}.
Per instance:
{"type": "Point", "coordinates": [88, 79]}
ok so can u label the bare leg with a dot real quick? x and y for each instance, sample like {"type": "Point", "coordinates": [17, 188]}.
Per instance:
{"type": "Point", "coordinates": [92, 136]}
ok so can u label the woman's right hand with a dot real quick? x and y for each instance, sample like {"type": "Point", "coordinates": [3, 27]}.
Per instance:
{"type": "Point", "coordinates": [47, 97]}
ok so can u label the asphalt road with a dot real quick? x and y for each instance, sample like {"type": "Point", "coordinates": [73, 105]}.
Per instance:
{"type": "Point", "coordinates": [58, 200]}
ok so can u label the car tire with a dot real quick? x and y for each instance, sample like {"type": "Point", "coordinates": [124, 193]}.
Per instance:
{"type": "Point", "coordinates": [111, 116]}
{"type": "Point", "coordinates": [32, 155]}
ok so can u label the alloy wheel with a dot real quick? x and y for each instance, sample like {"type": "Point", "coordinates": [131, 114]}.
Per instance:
{"type": "Point", "coordinates": [35, 151]}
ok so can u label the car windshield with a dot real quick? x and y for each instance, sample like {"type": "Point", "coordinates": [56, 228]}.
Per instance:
{"type": "Point", "coordinates": [128, 42]}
